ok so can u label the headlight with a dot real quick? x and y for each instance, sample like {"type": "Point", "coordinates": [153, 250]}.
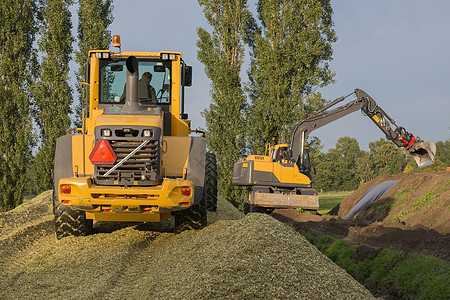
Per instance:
{"type": "Point", "coordinates": [148, 133]}
{"type": "Point", "coordinates": [168, 56]}
{"type": "Point", "coordinates": [106, 132]}
{"type": "Point", "coordinates": [104, 55]}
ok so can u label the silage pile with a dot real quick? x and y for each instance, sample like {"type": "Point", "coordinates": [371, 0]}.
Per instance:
{"type": "Point", "coordinates": [255, 257]}
{"type": "Point", "coordinates": [25, 225]}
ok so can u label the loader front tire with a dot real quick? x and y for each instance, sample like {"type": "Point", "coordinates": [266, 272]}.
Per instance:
{"type": "Point", "coordinates": [211, 181]}
{"type": "Point", "coordinates": [70, 222]}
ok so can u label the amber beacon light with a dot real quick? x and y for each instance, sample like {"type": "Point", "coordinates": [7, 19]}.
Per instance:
{"type": "Point", "coordinates": [116, 41]}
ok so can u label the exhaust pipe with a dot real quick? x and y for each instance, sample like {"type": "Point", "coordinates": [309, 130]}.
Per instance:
{"type": "Point", "coordinates": [423, 153]}
{"type": "Point", "coordinates": [132, 104]}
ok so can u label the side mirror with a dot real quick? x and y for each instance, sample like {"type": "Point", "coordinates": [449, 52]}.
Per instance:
{"type": "Point", "coordinates": [159, 69]}
{"type": "Point", "coordinates": [117, 68]}
{"type": "Point", "coordinates": [187, 72]}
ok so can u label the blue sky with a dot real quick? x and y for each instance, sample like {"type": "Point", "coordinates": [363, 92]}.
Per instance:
{"type": "Point", "coordinates": [397, 51]}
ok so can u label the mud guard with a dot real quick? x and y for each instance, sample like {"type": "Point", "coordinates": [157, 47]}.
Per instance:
{"type": "Point", "coordinates": [196, 166]}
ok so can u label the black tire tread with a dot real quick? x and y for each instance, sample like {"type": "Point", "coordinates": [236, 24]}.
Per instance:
{"type": "Point", "coordinates": [193, 218]}
{"type": "Point", "coordinates": [70, 222]}
{"type": "Point", "coordinates": [211, 181]}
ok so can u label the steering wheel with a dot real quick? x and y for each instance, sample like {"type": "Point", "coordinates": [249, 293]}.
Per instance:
{"type": "Point", "coordinates": [160, 94]}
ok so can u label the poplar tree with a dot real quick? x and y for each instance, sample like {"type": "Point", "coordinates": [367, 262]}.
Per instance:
{"type": "Point", "coordinates": [289, 62]}
{"type": "Point", "coordinates": [17, 66]}
{"type": "Point", "coordinates": [222, 52]}
{"type": "Point", "coordinates": [52, 93]}
{"type": "Point", "coordinates": [94, 17]}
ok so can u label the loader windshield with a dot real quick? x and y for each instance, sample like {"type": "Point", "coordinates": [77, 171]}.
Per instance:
{"type": "Point", "coordinates": [154, 82]}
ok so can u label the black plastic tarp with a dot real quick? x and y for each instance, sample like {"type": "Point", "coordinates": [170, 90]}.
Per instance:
{"type": "Point", "coordinates": [370, 196]}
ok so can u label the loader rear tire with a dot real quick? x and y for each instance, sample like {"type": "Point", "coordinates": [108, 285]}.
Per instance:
{"type": "Point", "coordinates": [70, 222]}
{"type": "Point", "coordinates": [211, 181]}
{"type": "Point", "coordinates": [67, 220]}
{"type": "Point", "coordinates": [192, 218]}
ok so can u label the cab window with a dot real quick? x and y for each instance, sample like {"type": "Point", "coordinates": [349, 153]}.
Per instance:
{"type": "Point", "coordinates": [280, 154]}
{"type": "Point", "coordinates": [154, 86]}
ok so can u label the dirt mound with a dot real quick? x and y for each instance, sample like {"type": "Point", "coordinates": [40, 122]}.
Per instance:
{"type": "Point", "coordinates": [412, 216]}
{"type": "Point", "coordinates": [417, 201]}
{"type": "Point", "coordinates": [238, 258]}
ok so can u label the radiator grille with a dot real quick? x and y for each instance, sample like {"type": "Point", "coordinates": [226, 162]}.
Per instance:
{"type": "Point", "coordinates": [142, 168]}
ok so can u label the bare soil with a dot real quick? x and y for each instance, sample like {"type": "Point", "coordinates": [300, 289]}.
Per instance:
{"type": "Point", "coordinates": [413, 216]}
{"type": "Point", "coordinates": [235, 257]}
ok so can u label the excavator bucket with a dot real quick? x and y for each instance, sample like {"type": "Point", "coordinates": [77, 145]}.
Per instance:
{"type": "Point", "coordinates": [423, 153]}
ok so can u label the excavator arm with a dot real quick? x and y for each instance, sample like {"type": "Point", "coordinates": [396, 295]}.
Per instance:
{"type": "Point", "coordinates": [422, 152]}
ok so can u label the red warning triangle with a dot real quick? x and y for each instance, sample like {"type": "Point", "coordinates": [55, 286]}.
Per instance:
{"type": "Point", "coordinates": [103, 154]}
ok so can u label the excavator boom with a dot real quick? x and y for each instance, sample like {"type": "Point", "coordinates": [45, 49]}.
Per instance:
{"type": "Point", "coordinates": [422, 152]}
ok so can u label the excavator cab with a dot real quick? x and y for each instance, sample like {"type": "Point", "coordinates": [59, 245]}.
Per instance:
{"type": "Point", "coordinates": [280, 153]}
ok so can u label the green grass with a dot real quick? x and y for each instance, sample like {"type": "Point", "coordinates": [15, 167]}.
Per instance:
{"type": "Point", "coordinates": [415, 276]}
{"type": "Point", "coordinates": [340, 252]}
{"type": "Point", "coordinates": [423, 203]}
{"type": "Point", "coordinates": [329, 200]}
{"type": "Point", "coordinates": [446, 186]}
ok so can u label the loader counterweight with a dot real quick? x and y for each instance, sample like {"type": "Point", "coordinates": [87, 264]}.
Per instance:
{"type": "Point", "coordinates": [126, 204]}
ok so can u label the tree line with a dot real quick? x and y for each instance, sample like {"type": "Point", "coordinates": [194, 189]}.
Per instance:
{"type": "Point", "coordinates": [346, 166]}
{"type": "Point", "coordinates": [36, 102]}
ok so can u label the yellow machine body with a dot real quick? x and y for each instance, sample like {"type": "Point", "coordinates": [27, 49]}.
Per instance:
{"type": "Point", "coordinates": [274, 182]}
{"type": "Point", "coordinates": [74, 171]}
{"type": "Point", "coordinates": [265, 169]}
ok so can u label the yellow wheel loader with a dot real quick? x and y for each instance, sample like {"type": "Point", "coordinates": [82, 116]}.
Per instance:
{"type": "Point", "coordinates": [134, 159]}
{"type": "Point", "coordinates": [282, 179]}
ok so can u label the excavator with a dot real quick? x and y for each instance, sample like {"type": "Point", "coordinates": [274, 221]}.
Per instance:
{"type": "Point", "coordinates": [282, 179]}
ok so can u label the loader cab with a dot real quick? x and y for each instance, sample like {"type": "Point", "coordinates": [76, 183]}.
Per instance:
{"type": "Point", "coordinates": [154, 86]}
{"type": "Point", "coordinates": [107, 76]}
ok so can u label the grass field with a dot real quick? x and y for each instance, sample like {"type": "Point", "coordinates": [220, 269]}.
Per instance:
{"type": "Point", "coordinates": [329, 200]}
